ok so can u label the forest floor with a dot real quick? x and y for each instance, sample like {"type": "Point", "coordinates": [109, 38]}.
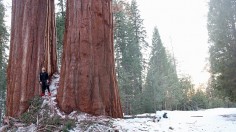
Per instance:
{"type": "Point", "coordinates": [209, 120]}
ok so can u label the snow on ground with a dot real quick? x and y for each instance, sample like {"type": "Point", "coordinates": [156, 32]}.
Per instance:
{"type": "Point", "coordinates": [210, 120]}
{"type": "Point", "coordinates": [54, 84]}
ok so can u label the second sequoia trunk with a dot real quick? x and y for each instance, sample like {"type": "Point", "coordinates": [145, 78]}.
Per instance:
{"type": "Point", "coordinates": [32, 46]}
{"type": "Point", "coordinates": [88, 79]}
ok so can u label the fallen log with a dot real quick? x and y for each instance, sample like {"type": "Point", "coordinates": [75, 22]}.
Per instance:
{"type": "Point", "coordinates": [132, 117]}
{"type": "Point", "coordinates": [196, 116]}
{"type": "Point", "coordinates": [19, 124]}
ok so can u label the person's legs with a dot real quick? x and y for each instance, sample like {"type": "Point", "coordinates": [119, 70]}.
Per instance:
{"type": "Point", "coordinates": [43, 89]}
{"type": "Point", "coordinates": [49, 93]}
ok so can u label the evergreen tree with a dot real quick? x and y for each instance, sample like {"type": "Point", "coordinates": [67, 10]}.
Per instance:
{"type": "Point", "coordinates": [136, 41]}
{"type": "Point", "coordinates": [173, 87]}
{"type": "Point", "coordinates": [156, 80]}
{"type": "Point", "coordinates": [186, 93]}
{"type": "Point", "coordinates": [222, 36]}
{"type": "Point", "coordinates": [129, 37]}
{"type": "Point", "coordinates": [60, 23]}
{"type": "Point", "coordinates": [162, 86]}
{"type": "Point", "coordinates": [120, 42]}
{"type": "Point", "coordinates": [133, 59]}
{"type": "Point", "coordinates": [3, 59]}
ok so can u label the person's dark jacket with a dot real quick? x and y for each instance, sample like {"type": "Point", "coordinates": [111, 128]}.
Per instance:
{"type": "Point", "coordinates": [44, 77]}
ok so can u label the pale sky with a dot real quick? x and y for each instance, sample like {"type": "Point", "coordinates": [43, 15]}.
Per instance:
{"type": "Point", "coordinates": [182, 23]}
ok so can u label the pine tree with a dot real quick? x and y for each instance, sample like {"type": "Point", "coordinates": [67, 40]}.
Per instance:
{"type": "Point", "coordinates": [133, 59]}
{"type": "Point", "coordinates": [156, 80]}
{"type": "Point", "coordinates": [162, 85]}
{"type": "Point", "coordinates": [173, 88]}
{"type": "Point", "coordinates": [222, 36]}
{"type": "Point", "coordinates": [60, 23]}
{"type": "Point", "coordinates": [136, 41]}
{"type": "Point", "coordinates": [3, 59]}
{"type": "Point", "coordinates": [120, 42]}
{"type": "Point", "coordinates": [186, 93]}
{"type": "Point", "coordinates": [129, 39]}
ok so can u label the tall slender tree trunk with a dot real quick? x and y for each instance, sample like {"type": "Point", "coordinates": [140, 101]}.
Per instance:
{"type": "Point", "coordinates": [32, 45]}
{"type": "Point", "coordinates": [88, 79]}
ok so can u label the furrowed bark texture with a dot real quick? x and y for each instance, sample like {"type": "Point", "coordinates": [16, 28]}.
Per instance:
{"type": "Point", "coordinates": [88, 80]}
{"type": "Point", "coordinates": [32, 45]}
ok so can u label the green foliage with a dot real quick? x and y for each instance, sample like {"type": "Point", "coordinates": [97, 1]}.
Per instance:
{"type": "Point", "coordinates": [163, 89]}
{"type": "Point", "coordinates": [60, 27]}
{"type": "Point", "coordinates": [199, 100]}
{"type": "Point", "coordinates": [69, 125]}
{"type": "Point", "coordinates": [39, 113]}
{"type": "Point", "coordinates": [3, 59]}
{"type": "Point", "coordinates": [196, 99]}
{"type": "Point", "coordinates": [187, 92]}
{"type": "Point", "coordinates": [216, 103]}
{"type": "Point", "coordinates": [222, 36]}
{"type": "Point", "coordinates": [129, 37]}
{"type": "Point", "coordinates": [162, 86]}
{"type": "Point", "coordinates": [31, 115]}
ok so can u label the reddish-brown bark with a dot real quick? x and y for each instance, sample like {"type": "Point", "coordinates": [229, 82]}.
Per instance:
{"type": "Point", "coordinates": [32, 45]}
{"type": "Point", "coordinates": [88, 81]}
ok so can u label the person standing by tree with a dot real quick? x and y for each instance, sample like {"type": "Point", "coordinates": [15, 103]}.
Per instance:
{"type": "Point", "coordinates": [44, 82]}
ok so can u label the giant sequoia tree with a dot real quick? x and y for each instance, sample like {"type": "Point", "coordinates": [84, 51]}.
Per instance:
{"type": "Point", "coordinates": [88, 81]}
{"type": "Point", "coordinates": [32, 46]}
{"type": "Point", "coordinates": [222, 35]}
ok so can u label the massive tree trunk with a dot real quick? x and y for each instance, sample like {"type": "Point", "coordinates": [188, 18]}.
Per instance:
{"type": "Point", "coordinates": [32, 45]}
{"type": "Point", "coordinates": [88, 79]}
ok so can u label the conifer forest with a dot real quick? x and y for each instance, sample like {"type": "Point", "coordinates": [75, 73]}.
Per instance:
{"type": "Point", "coordinates": [99, 48]}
